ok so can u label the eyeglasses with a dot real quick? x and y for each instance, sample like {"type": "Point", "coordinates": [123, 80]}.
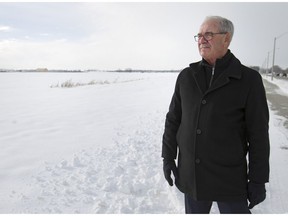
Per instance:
{"type": "Point", "coordinates": [207, 36]}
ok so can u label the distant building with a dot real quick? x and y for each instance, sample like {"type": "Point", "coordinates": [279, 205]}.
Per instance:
{"type": "Point", "coordinates": [42, 70]}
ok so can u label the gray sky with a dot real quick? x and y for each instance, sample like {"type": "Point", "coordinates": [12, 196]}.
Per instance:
{"type": "Point", "coordinates": [138, 35]}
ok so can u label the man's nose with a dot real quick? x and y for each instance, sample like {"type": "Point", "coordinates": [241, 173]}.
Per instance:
{"type": "Point", "coordinates": [202, 40]}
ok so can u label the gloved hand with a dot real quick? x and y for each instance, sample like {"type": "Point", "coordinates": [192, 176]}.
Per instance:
{"type": "Point", "coordinates": [168, 166]}
{"type": "Point", "coordinates": [256, 194]}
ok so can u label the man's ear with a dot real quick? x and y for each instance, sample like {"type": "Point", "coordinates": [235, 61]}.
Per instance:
{"type": "Point", "coordinates": [227, 38]}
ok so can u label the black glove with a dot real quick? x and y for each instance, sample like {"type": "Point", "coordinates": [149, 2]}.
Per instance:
{"type": "Point", "coordinates": [256, 194]}
{"type": "Point", "coordinates": [168, 166]}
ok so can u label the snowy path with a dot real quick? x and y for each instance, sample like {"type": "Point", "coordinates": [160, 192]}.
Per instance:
{"type": "Point", "coordinates": [277, 190]}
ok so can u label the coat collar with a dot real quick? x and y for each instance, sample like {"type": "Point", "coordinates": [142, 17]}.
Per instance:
{"type": "Point", "coordinates": [220, 63]}
{"type": "Point", "coordinates": [229, 65]}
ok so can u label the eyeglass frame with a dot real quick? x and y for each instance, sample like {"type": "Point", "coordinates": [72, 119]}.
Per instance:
{"type": "Point", "coordinates": [211, 34]}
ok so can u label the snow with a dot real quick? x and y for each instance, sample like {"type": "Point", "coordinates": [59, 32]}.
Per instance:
{"type": "Point", "coordinates": [97, 148]}
{"type": "Point", "coordinates": [282, 83]}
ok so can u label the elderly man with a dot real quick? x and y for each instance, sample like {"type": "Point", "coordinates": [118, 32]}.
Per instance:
{"type": "Point", "coordinates": [218, 115]}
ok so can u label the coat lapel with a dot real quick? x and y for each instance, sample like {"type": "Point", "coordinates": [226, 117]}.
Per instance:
{"type": "Point", "coordinates": [221, 81]}
{"type": "Point", "coordinates": [233, 71]}
{"type": "Point", "coordinates": [197, 77]}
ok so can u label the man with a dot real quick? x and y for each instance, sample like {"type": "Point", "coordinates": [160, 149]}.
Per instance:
{"type": "Point", "coordinates": [218, 115]}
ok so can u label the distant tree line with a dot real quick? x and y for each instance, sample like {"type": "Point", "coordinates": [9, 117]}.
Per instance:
{"type": "Point", "coordinates": [89, 70]}
{"type": "Point", "coordinates": [130, 70]}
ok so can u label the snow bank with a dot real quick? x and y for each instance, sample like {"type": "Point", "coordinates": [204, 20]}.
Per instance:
{"type": "Point", "coordinates": [282, 83]}
{"type": "Point", "coordinates": [126, 178]}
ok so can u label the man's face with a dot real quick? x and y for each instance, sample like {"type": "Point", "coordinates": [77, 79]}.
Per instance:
{"type": "Point", "coordinates": [214, 48]}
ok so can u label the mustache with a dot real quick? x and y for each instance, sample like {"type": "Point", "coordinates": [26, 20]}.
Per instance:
{"type": "Point", "coordinates": [204, 46]}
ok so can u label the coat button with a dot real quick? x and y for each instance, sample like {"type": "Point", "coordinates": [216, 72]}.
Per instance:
{"type": "Point", "coordinates": [198, 131]}
{"type": "Point", "coordinates": [197, 161]}
{"type": "Point", "coordinates": [204, 102]}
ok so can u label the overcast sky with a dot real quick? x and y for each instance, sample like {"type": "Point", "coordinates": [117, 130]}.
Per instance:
{"type": "Point", "coordinates": [138, 35]}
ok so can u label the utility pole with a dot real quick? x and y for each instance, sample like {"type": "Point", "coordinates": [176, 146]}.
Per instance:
{"type": "Point", "coordinates": [273, 61]}
{"type": "Point", "coordinates": [267, 64]}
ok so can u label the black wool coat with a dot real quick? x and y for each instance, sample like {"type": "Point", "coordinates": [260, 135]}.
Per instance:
{"type": "Point", "coordinates": [219, 135]}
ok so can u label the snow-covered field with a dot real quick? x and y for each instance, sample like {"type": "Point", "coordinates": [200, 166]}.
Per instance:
{"type": "Point", "coordinates": [97, 148]}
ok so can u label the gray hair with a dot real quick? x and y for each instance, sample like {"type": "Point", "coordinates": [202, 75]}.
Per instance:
{"type": "Point", "coordinates": [225, 25]}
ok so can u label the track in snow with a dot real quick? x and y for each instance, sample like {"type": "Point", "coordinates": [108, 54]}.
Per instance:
{"type": "Point", "coordinates": [124, 179]}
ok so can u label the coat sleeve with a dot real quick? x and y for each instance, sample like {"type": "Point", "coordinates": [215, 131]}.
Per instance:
{"type": "Point", "coordinates": [257, 125]}
{"type": "Point", "coordinates": [172, 123]}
